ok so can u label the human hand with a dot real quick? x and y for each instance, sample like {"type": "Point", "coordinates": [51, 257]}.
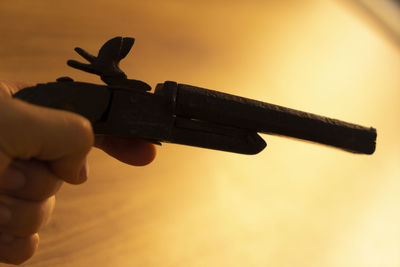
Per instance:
{"type": "Point", "coordinates": [39, 149]}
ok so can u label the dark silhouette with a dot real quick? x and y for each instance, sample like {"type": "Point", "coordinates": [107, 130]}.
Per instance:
{"type": "Point", "coordinates": [184, 114]}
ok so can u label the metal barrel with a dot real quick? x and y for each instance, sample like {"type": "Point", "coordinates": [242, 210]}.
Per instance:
{"type": "Point", "coordinates": [225, 109]}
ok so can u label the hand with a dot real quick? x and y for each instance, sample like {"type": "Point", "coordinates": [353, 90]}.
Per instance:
{"type": "Point", "coordinates": [40, 148]}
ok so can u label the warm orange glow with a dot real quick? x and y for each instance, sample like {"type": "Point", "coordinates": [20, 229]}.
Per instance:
{"type": "Point", "coordinates": [295, 204]}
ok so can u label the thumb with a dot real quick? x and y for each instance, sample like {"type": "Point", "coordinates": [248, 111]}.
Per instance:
{"type": "Point", "coordinates": [60, 137]}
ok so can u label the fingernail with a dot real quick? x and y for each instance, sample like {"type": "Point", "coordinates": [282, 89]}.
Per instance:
{"type": "Point", "coordinates": [12, 179]}
{"type": "Point", "coordinates": [5, 214]}
{"type": "Point", "coordinates": [6, 238]}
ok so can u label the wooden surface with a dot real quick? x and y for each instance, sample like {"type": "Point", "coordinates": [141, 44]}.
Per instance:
{"type": "Point", "coordinates": [295, 204]}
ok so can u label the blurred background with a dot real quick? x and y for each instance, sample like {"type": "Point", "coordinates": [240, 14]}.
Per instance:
{"type": "Point", "coordinates": [294, 204]}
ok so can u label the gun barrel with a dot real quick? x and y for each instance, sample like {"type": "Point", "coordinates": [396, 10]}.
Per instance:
{"type": "Point", "coordinates": [213, 106]}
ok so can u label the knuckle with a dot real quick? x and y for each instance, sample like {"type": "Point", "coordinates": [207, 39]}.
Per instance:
{"type": "Point", "coordinates": [48, 191]}
{"type": "Point", "coordinates": [20, 250]}
{"type": "Point", "coordinates": [38, 183]}
{"type": "Point", "coordinates": [83, 129]}
{"type": "Point", "coordinates": [40, 212]}
{"type": "Point", "coordinates": [41, 192]}
{"type": "Point", "coordinates": [18, 258]}
{"type": "Point", "coordinates": [29, 217]}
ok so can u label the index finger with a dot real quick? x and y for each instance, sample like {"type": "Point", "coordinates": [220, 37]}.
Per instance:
{"type": "Point", "coordinates": [60, 137]}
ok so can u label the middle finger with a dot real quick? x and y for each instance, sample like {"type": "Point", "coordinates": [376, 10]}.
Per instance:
{"type": "Point", "coordinates": [23, 218]}
{"type": "Point", "coordinates": [29, 180]}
